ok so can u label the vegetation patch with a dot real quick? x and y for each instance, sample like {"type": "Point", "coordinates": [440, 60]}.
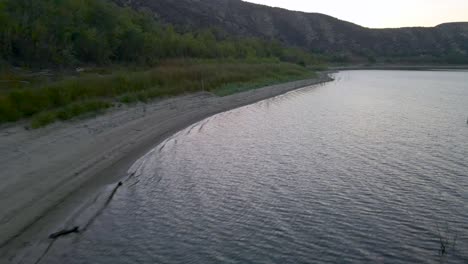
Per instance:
{"type": "Point", "coordinates": [74, 96]}
{"type": "Point", "coordinates": [100, 53]}
{"type": "Point", "coordinates": [69, 33]}
{"type": "Point", "coordinates": [66, 113]}
{"type": "Point", "coordinates": [233, 88]}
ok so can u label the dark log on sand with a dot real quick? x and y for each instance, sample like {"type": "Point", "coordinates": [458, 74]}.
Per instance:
{"type": "Point", "coordinates": [65, 232]}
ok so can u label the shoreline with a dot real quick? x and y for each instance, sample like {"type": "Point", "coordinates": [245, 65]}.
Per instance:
{"type": "Point", "coordinates": [49, 172]}
{"type": "Point", "coordinates": [398, 67]}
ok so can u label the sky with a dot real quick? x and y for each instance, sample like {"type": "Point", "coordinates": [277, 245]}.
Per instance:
{"type": "Point", "coordinates": [382, 13]}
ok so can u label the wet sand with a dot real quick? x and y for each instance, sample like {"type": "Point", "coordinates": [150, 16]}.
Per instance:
{"type": "Point", "coordinates": [49, 175]}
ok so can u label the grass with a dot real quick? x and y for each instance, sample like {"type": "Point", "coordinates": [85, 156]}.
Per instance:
{"type": "Point", "coordinates": [69, 97]}
{"type": "Point", "coordinates": [68, 112]}
{"type": "Point", "coordinates": [233, 88]}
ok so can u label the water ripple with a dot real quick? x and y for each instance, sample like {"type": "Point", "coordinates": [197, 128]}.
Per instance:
{"type": "Point", "coordinates": [372, 168]}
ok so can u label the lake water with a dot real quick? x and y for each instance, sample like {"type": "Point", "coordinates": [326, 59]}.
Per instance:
{"type": "Point", "coordinates": [371, 168]}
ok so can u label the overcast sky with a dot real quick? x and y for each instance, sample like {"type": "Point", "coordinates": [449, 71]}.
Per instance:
{"type": "Point", "coordinates": [380, 14]}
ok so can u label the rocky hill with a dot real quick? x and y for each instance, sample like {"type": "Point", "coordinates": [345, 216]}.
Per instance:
{"type": "Point", "coordinates": [312, 31]}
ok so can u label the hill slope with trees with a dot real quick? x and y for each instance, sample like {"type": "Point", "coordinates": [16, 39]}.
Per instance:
{"type": "Point", "coordinates": [122, 56]}
{"type": "Point", "coordinates": [73, 32]}
{"type": "Point", "coordinates": [318, 33]}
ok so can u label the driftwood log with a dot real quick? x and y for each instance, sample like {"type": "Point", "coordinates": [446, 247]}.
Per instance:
{"type": "Point", "coordinates": [65, 232]}
{"type": "Point", "coordinates": [76, 229]}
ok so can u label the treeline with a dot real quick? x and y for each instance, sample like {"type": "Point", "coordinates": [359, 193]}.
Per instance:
{"type": "Point", "coordinates": [66, 33]}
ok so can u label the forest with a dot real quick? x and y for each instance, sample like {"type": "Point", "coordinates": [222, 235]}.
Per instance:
{"type": "Point", "coordinates": [99, 55]}
{"type": "Point", "coordinates": [67, 33]}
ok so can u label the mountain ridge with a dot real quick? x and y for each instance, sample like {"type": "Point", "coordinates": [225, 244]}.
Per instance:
{"type": "Point", "coordinates": [314, 32]}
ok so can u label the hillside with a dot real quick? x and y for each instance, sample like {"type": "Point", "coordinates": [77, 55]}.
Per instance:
{"type": "Point", "coordinates": [100, 55]}
{"type": "Point", "coordinates": [68, 33]}
{"type": "Point", "coordinates": [315, 32]}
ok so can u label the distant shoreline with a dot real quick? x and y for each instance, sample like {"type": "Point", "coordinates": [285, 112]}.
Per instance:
{"type": "Point", "coordinates": [398, 67]}
{"type": "Point", "coordinates": [51, 172]}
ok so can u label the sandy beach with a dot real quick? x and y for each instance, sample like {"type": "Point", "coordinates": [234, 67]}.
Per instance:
{"type": "Point", "coordinates": [48, 173]}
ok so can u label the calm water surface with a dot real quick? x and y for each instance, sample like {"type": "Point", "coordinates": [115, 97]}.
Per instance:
{"type": "Point", "coordinates": [372, 168]}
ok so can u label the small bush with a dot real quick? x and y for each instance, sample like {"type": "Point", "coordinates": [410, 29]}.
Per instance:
{"type": "Point", "coordinates": [81, 108]}
{"type": "Point", "coordinates": [43, 119]}
{"type": "Point", "coordinates": [68, 112]}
